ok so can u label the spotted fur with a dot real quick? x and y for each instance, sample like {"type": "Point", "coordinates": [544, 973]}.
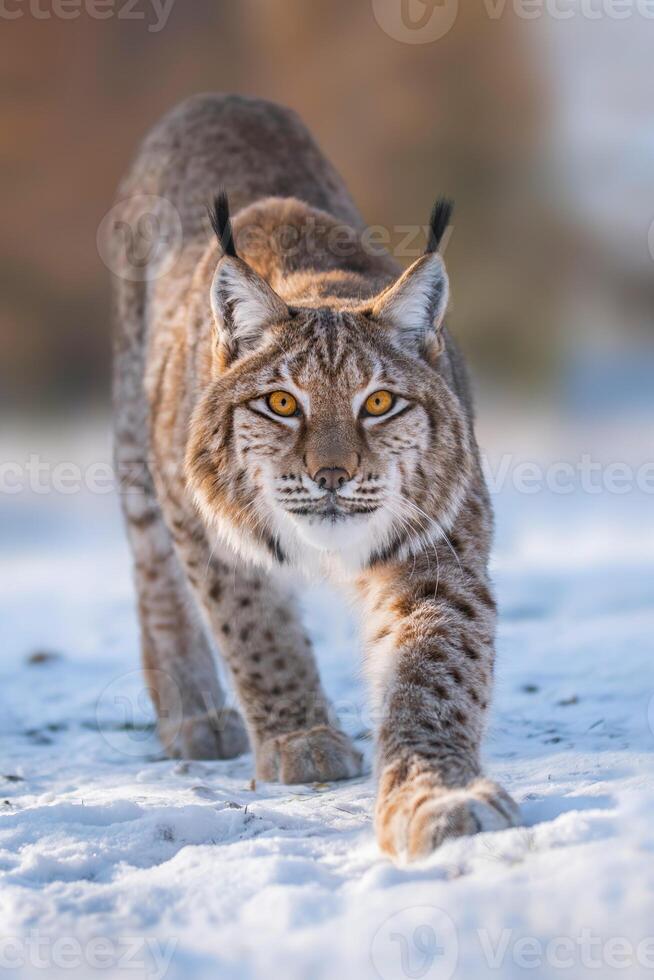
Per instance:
{"type": "Point", "coordinates": [223, 499]}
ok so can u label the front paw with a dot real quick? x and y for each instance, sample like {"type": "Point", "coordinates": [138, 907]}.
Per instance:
{"type": "Point", "coordinates": [316, 755]}
{"type": "Point", "coordinates": [215, 735]}
{"type": "Point", "coordinates": [416, 816]}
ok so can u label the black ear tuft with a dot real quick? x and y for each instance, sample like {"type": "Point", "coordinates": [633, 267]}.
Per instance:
{"type": "Point", "coordinates": [440, 219]}
{"type": "Point", "coordinates": [221, 223]}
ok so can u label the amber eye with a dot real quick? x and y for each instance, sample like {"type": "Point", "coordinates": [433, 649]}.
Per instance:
{"type": "Point", "coordinates": [282, 403]}
{"type": "Point", "coordinates": [379, 402]}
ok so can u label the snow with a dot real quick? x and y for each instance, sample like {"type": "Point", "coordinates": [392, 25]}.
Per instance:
{"type": "Point", "coordinates": [117, 861]}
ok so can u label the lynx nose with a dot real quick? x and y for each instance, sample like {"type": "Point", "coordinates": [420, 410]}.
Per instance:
{"type": "Point", "coordinates": [331, 477]}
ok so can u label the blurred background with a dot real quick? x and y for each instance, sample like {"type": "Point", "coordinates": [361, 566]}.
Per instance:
{"type": "Point", "coordinates": [537, 121]}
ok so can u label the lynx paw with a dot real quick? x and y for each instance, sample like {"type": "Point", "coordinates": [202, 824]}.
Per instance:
{"type": "Point", "coordinates": [414, 818]}
{"type": "Point", "coordinates": [319, 754]}
{"type": "Point", "coordinates": [216, 735]}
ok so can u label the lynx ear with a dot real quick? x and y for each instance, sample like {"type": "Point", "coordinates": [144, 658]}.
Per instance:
{"type": "Point", "coordinates": [243, 303]}
{"type": "Point", "coordinates": [416, 303]}
{"type": "Point", "coordinates": [244, 306]}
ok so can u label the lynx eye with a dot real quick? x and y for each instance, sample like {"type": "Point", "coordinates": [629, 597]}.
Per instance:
{"type": "Point", "coordinates": [282, 403]}
{"type": "Point", "coordinates": [379, 402]}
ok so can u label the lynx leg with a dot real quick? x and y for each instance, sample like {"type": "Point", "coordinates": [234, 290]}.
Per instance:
{"type": "Point", "coordinates": [177, 657]}
{"type": "Point", "coordinates": [178, 660]}
{"type": "Point", "coordinates": [271, 662]}
{"type": "Point", "coordinates": [432, 659]}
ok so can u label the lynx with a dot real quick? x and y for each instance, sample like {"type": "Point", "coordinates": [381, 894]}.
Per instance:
{"type": "Point", "coordinates": [288, 405]}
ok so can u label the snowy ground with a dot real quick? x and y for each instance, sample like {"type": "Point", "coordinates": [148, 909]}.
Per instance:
{"type": "Point", "coordinates": [116, 860]}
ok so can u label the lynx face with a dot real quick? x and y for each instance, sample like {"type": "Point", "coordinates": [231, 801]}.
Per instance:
{"type": "Point", "coordinates": [327, 429]}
